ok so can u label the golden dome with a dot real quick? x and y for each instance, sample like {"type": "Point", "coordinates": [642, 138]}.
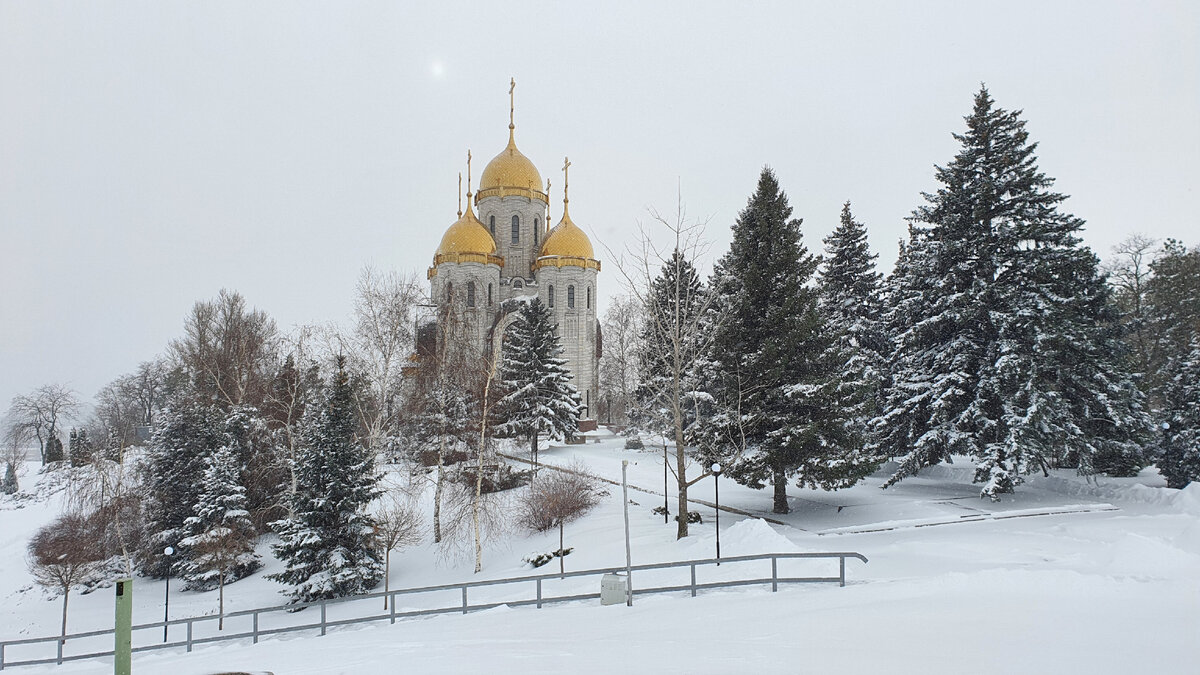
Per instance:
{"type": "Point", "coordinates": [467, 240]}
{"type": "Point", "coordinates": [565, 245]}
{"type": "Point", "coordinates": [511, 173]}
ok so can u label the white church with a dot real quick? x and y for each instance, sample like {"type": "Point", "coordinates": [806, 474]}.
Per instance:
{"type": "Point", "coordinates": [508, 252]}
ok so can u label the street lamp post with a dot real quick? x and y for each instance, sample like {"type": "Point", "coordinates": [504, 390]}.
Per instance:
{"type": "Point", "coordinates": [168, 551]}
{"type": "Point", "coordinates": [716, 472]}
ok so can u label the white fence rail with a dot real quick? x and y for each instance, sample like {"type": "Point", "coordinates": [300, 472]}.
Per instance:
{"type": "Point", "coordinates": [538, 590]}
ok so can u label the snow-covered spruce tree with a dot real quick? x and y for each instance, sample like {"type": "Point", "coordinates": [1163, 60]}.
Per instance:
{"type": "Point", "coordinates": [187, 434]}
{"type": "Point", "coordinates": [1173, 311]}
{"type": "Point", "coordinates": [851, 296]}
{"type": "Point", "coordinates": [537, 394]}
{"type": "Point", "coordinates": [220, 535]}
{"type": "Point", "coordinates": [9, 484]}
{"type": "Point", "coordinates": [1179, 460]}
{"type": "Point", "coordinates": [1007, 343]}
{"type": "Point", "coordinates": [80, 448]}
{"type": "Point", "coordinates": [780, 403]}
{"type": "Point", "coordinates": [327, 546]}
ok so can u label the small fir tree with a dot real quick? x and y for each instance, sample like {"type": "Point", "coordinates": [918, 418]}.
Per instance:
{"type": "Point", "coordinates": [187, 434]}
{"type": "Point", "coordinates": [80, 448]}
{"type": "Point", "coordinates": [9, 485]}
{"type": "Point", "coordinates": [328, 546]}
{"type": "Point", "coordinates": [220, 535]}
{"type": "Point", "coordinates": [54, 449]}
{"type": "Point", "coordinates": [538, 397]}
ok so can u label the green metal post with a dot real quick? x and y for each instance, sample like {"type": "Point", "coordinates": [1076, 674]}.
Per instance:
{"type": "Point", "coordinates": [122, 651]}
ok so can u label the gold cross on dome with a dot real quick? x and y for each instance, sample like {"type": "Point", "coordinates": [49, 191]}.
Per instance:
{"type": "Point", "coordinates": [566, 177]}
{"type": "Point", "coordinates": [512, 85]}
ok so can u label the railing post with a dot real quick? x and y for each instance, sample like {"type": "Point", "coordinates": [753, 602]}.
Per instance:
{"type": "Point", "coordinates": [60, 650]}
{"type": "Point", "coordinates": [774, 574]}
{"type": "Point", "coordinates": [539, 593]}
{"type": "Point", "coordinates": [693, 566]}
{"type": "Point", "coordinates": [842, 571]}
{"type": "Point", "coordinates": [464, 590]}
{"type": "Point", "coordinates": [322, 617]}
{"type": "Point", "coordinates": [1, 656]}
{"type": "Point", "coordinates": [392, 604]}
{"type": "Point", "coordinates": [189, 635]}
{"type": "Point", "coordinates": [255, 627]}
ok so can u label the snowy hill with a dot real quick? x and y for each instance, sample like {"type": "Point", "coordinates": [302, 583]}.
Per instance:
{"type": "Point", "coordinates": [1066, 575]}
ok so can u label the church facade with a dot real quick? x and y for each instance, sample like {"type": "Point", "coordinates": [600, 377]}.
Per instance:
{"type": "Point", "coordinates": [509, 253]}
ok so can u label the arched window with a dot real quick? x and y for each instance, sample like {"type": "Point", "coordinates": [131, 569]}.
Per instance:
{"type": "Point", "coordinates": [489, 295]}
{"type": "Point", "coordinates": [517, 283]}
{"type": "Point", "coordinates": [535, 230]}
{"type": "Point", "coordinates": [571, 297]}
{"type": "Point", "coordinates": [589, 297]}
{"type": "Point", "coordinates": [492, 225]}
{"type": "Point", "coordinates": [516, 230]}
{"type": "Point", "coordinates": [550, 296]}
{"type": "Point", "coordinates": [470, 294]}
{"type": "Point", "coordinates": [449, 291]}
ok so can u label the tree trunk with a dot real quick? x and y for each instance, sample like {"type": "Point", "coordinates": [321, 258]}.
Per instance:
{"type": "Point", "coordinates": [437, 498]}
{"type": "Point", "coordinates": [221, 601]}
{"type": "Point", "coordinates": [475, 506]}
{"type": "Point", "coordinates": [781, 502]}
{"type": "Point", "coordinates": [681, 479]}
{"type": "Point", "coordinates": [533, 454]}
{"type": "Point", "coordinates": [562, 551]}
{"type": "Point", "coordinates": [387, 571]}
{"type": "Point", "coordinates": [66, 594]}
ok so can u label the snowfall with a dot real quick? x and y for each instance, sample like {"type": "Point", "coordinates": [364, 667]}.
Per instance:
{"type": "Point", "coordinates": [1066, 576]}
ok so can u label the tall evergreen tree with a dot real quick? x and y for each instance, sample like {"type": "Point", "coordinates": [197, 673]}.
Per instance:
{"type": "Point", "coordinates": [538, 396]}
{"type": "Point", "coordinates": [1007, 341]}
{"type": "Point", "coordinates": [187, 434]}
{"type": "Point", "coordinates": [1173, 312]}
{"type": "Point", "coordinates": [779, 397]}
{"type": "Point", "coordinates": [1179, 461]}
{"type": "Point", "coordinates": [851, 295]}
{"type": "Point", "coordinates": [220, 534]}
{"type": "Point", "coordinates": [80, 448]}
{"type": "Point", "coordinates": [327, 546]}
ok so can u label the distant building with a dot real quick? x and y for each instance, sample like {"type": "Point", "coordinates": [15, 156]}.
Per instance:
{"type": "Point", "coordinates": [510, 252]}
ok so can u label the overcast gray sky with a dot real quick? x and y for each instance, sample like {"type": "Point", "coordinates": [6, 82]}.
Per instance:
{"type": "Point", "coordinates": [152, 153]}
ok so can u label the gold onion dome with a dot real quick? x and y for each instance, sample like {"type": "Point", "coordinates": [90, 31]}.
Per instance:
{"type": "Point", "coordinates": [565, 245]}
{"type": "Point", "coordinates": [511, 174]}
{"type": "Point", "coordinates": [467, 240]}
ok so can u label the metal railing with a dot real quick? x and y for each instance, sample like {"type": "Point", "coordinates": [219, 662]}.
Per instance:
{"type": "Point", "coordinates": [253, 624]}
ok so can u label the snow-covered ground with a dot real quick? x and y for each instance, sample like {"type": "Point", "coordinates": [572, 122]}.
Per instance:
{"type": "Point", "coordinates": [1066, 575]}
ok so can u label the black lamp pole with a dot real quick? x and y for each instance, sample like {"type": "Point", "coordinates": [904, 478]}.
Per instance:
{"type": "Point", "coordinates": [168, 551]}
{"type": "Point", "coordinates": [716, 472]}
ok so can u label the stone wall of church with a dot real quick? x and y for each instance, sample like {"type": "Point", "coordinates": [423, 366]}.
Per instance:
{"type": "Point", "coordinates": [576, 324]}
{"type": "Point", "coordinates": [496, 213]}
{"type": "Point", "coordinates": [453, 283]}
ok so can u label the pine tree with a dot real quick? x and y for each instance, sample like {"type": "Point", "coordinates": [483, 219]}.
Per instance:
{"type": "Point", "coordinates": [851, 292]}
{"type": "Point", "coordinates": [80, 449]}
{"type": "Point", "coordinates": [780, 398]}
{"type": "Point", "coordinates": [1007, 343]}
{"type": "Point", "coordinates": [538, 396]}
{"type": "Point", "coordinates": [1173, 311]}
{"type": "Point", "coordinates": [327, 545]}
{"type": "Point", "coordinates": [220, 535]}
{"type": "Point", "coordinates": [1180, 458]}
{"type": "Point", "coordinates": [54, 449]}
{"type": "Point", "coordinates": [187, 434]}
{"type": "Point", "coordinates": [9, 485]}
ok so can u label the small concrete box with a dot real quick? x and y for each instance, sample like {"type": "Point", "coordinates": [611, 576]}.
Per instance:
{"type": "Point", "coordinates": [612, 589]}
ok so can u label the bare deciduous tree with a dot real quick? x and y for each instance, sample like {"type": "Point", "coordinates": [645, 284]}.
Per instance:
{"type": "Point", "coordinates": [398, 525]}
{"type": "Point", "coordinates": [42, 411]}
{"type": "Point", "coordinates": [618, 367]}
{"type": "Point", "coordinates": [381, 339]}
{"type": "Point", "coordinates": [682, 335]}
{"type": "Point", "coordinates": [1129, 273]}
{"type": "Point", "coordinates": [559, 497]}
{"type": "Point", "coordinates": [228, 350]}
{"type": "Point", "coordinates": [62, 555]}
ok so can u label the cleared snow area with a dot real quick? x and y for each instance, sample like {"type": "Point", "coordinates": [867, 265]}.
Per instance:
{"type": "Point", "coordinates": [1067, 575]}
